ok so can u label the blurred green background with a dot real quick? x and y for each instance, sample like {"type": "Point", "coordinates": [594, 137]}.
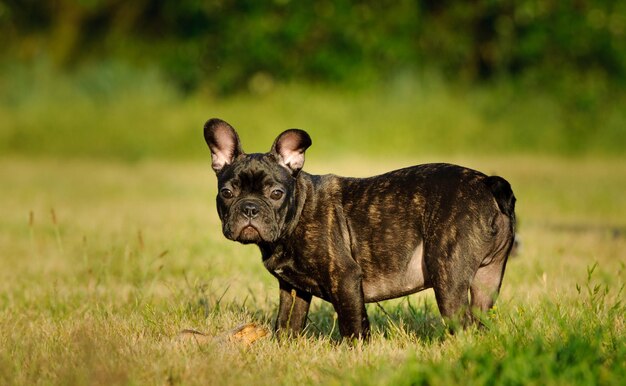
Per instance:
{"type": "Point", "coordinates": [137, 79]}
{"type": "Point", "coordinates": [109, 237]}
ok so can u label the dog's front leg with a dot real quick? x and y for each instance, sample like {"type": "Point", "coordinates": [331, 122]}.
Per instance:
{"type": "Point", "coordinates": [292, 310]}
{"type": "Point", "coordinates": [350, 307]}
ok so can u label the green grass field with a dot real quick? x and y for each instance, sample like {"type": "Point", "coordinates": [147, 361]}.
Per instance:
{"type": "Point", "coordinates": [115, 113]}
{"type": "Point", "coordinates": [104, 262]}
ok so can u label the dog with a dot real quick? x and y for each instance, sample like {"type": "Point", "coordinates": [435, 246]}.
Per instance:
{"type": "Point", "coordinates": [352, 241]}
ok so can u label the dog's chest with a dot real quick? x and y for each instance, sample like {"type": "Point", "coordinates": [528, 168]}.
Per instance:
{"type": "Point", "coordinates": [296, 273]}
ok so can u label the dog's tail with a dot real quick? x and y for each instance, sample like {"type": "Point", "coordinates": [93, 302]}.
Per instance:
{"type": "Point", "coordinates": [502, 192]}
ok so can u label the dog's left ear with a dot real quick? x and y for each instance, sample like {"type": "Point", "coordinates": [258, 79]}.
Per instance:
{"type": "Point", "coordinates": [289, 148]}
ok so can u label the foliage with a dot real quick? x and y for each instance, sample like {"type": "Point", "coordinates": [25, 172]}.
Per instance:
{"type": "Point", "coordinates": [234, 45]}
{"type": "Point", "coordinates": [494, 76]}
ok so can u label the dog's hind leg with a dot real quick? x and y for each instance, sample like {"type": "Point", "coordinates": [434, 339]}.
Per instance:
{"type": "Point", "coordinates": [451, 283]}
{"type": "Point", "coordinates": [485, 286]}
{"type": "Point", "coordinates": [486, 283]}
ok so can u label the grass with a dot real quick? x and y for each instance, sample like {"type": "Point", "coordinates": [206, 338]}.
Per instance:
{"type": "Point", "coordinates": [105, 261]}
{"type": "Point", "coordinates": [112, 111]}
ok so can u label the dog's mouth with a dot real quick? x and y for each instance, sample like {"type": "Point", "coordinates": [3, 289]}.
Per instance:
{"type": "Point", "coordinates": [246, 230]}
{"type": "Point", "coordinates": [249, 234]}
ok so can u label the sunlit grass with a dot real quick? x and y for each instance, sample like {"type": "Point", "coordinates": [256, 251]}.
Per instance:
{"type": "Point", "coordinates": [134, 254]}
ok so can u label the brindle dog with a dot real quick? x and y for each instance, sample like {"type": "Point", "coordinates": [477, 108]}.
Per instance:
{"type": "Point", "coordinates": [351, 241]}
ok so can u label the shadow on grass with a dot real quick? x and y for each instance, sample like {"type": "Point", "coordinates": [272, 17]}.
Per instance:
{"type": "Point", "coordinates": [398, 319]}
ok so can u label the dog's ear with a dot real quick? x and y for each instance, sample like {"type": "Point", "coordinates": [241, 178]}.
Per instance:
{"type": "Point", "coordinates": [289, 148]}
{"type": "Point", "coordinates": [223, 142]}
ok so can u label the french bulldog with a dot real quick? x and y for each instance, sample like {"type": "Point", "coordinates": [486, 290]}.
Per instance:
{"type": "Point", "coordinates": [352, 241]}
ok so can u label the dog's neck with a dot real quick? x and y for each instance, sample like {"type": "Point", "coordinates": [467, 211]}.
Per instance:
{"type": "Point", "coordinates": [305, 195]}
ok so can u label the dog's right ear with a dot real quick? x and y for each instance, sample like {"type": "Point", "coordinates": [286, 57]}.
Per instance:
{"type": "Point", "coordinates": [223, 142]}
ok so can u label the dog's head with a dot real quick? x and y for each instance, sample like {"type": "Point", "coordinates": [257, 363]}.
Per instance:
{"type": "Point", "coordinates": [256, 198]}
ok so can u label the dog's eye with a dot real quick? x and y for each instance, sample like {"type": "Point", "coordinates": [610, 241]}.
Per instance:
{"type": "Point", "coordinates": [226, 193]}
{"type": "Point", "coordinates": [276, 194]}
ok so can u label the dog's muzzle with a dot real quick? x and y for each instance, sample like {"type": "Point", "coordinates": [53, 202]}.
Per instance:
{"type": "Point", "coordinates": [251, 222]}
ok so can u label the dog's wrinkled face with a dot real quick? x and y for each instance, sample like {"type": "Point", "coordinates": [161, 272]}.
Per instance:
{"type": "Point", "coordinates": [254, 198]}
{"type": "Point", "coordinates": [256, 192]}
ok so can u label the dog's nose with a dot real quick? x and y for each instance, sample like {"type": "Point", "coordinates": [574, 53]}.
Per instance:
{"type": "Point", "coordinates": [250, 210]}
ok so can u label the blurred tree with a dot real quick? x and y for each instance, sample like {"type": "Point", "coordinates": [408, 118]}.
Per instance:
{"type": "Point", "coordinates": [236, 45]}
